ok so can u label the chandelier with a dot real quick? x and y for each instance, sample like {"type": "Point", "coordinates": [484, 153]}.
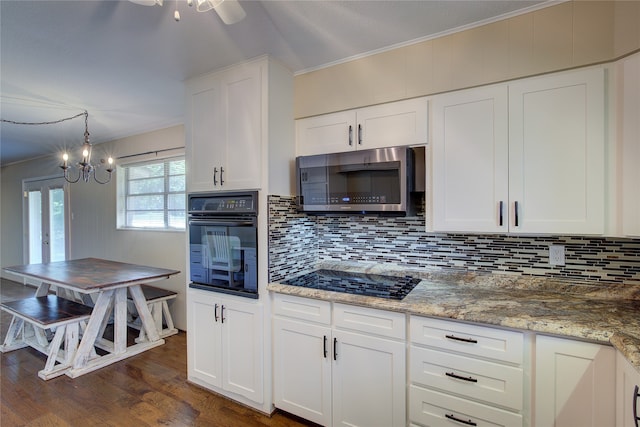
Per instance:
{"type": "Point", "coordinates": [86, 170]}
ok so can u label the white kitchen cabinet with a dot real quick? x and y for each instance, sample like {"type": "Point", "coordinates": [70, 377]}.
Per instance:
{"type": "Point", "coordinates": [225, 344]}
{"type": "Point", "coordinates": [530, 163]}
{"type": "Point", "coordinates": [467, 374]}
{"type": "Point", "coordinates": [346, 368]}
{"type": "Point", "coordinates": [384, 125]}
{"type": "Point", "coordinates": [574, 383]}
{"type": "Point", "coordinates": [470, 149]}
{"type": "Point", "coordinates": [631, 146]}
{"type": "Point", "coordinates": [627, 393]}
{"type": "Point", "coordinates": [235, 137]}
{"type": "Point", "coordinates": [556, 153]}
{"type": "Point", "coordinates": [223, 129]}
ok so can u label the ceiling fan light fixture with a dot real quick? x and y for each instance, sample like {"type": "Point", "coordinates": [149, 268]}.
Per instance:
{"type": "Point", "coordinates": [147, 2]}
{"type": "Point", "coordinates": [230, 11]}
{"type": "Point", "coordinates": [206, 5]}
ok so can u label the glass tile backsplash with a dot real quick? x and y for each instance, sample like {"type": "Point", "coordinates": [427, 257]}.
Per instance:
{"type": "Point", "coordinates": [298, 241]}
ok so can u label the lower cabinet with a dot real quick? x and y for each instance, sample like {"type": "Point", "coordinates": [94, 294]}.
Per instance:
{"type": "Point", "coordinates": [574, 383]}
{"type": "Point", "coordinates": [336, 364]}
{"type": "Point", "coordinates": [627, 393]}
{"type": "Point", "coordinates": [225, 344]}
{"type": "Point", "coordinates": [463, 374]}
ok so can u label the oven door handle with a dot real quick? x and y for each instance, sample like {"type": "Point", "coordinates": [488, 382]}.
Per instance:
{"type": "Point", "coordinates": [221, 222]}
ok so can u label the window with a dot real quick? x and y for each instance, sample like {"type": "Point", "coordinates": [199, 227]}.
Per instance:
{"type": "Point", "coordinates": [152, 195]}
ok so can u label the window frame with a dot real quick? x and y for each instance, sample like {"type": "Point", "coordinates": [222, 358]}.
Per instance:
{"type": "Point", "coordinates": [124, 194]}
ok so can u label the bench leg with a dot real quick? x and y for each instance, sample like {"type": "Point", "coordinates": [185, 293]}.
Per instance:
{"type": "Point", "coordinates": [170, 329]}
{"type": "Point", "coordinates": [14, 338]}
{"type": "Point", "coordinates": [50, 369]}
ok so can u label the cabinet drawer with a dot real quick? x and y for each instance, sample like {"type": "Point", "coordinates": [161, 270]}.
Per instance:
{"type": "Point", "coordinates": [483, 380]}
{"type": "Point", "coordinates": [369, 320]}
{"type": "Point", "coordinates": [480, 341]}
{"type": "Point", "coordinates": [309, 309]}
{"type": "Point", "coordinates": [430, 408]}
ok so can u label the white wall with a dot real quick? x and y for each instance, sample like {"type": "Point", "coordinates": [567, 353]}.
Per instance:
{"type": "Point", "coordinates": [92, 228]}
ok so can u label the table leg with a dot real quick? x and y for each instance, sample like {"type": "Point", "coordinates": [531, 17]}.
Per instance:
{"type": "Point", "coordinates": [146, 318]}
{"type": "Point", "coordinates": [120, 321]}
{"type": "Point", "coordinates": [100, 310]}
{"type": "Point", "coordinates": [43, 289]}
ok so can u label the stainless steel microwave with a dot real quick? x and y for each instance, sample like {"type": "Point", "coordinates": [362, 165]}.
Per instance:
{"type": "Point", "coordinates": [385, 181]}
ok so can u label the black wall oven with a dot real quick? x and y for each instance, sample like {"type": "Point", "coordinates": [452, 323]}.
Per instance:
{"type": "Point", "coordinates": [223, 242]}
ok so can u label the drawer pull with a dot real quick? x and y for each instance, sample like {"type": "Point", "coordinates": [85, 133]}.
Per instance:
{"type": "Point", "coordinates": [458, 377]}
{"type": "Point", "coordinates": [453, 337]}
{"type": "Point", "coordinates": [454, 418]}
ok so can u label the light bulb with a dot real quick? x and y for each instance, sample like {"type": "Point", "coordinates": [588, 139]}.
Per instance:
{"type": "Point", "coordinates": [176, 15]}
{"type": "Point", "coordinates": [110, 160]}
{"type": "Point", "coordinates": [85, 152]}
{"type": "Point", "coordinates": [65, 157]}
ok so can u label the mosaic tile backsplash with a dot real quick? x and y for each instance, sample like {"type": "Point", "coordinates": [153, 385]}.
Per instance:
{"type": "Point", "coordinates": [298, 241]}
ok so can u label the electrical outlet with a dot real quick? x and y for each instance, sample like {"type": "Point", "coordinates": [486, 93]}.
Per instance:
{"type": "Point", "coordinates": [556, 255]}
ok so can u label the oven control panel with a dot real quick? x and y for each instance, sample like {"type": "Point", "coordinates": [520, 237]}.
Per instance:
{"type": "Point", "coordinates": [223, 203]}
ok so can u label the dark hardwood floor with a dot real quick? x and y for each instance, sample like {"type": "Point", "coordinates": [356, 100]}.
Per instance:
{"type": "Point", "coordinates": [149, 389]}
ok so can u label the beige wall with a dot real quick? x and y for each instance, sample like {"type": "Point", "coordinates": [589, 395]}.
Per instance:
{"type": "Point", "coordinates": [93, 224]}
{"type": "Point", "coordinates": [558, 37]}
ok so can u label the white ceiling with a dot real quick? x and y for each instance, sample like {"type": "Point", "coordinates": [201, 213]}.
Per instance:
{"type": "Point", "coordinates": [125, 63]}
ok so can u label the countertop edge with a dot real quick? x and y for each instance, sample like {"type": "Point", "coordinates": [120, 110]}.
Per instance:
{"type": "Point", "coordinates": [628, 345]}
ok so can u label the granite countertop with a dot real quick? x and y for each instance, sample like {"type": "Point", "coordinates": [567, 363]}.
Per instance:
{"type": "Point", "coordinates": [608, 314]}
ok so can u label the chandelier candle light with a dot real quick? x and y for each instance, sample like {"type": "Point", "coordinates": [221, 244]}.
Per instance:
{"type": "Point", "coordinates": [85, 168]}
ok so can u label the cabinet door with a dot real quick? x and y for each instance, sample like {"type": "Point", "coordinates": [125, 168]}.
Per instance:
{"type": "Point", "coordinates": [627, 402]}
{"type": "Point", "coordinates": [242, 147]}
{"type": "Point", "coordinates": [556, 153]}
{"type": "Point", "coordinates": [392, 124]}
{"type": "Point", "coordinates": [574, 383]}
{"type": "Point", "coordinates": [329, 133]}
{"type": "Point", "coordinates": [631, 146]}
{"type": "Point", "coordinates": [203, 341]}
{"type": "Point", "coordinates": [302, 369]}
{"type": "Point", "coordinates": [242, 349]}
{"type": "Point", "coordinates": [204, 132]}
{"type": "Point", "coordinates": [368, 381]}
{"type": "Point", "coordinates": [470, 160]}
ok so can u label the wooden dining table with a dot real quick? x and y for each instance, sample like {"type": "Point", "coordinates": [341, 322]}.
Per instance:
{"type": "Point", "coordinates": [108, 283]}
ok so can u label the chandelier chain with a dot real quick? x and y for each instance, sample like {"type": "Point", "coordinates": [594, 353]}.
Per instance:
{"type": "Point", "coordinates": [53, 122]}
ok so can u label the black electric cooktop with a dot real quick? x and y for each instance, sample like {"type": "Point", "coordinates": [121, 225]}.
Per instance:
{"type": "Point", "coordinates": [374, 285]}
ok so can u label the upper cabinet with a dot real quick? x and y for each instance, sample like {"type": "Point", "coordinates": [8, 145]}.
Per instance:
{"type": "Point", "coordinates": [470, 156]}
{"type": "Point", "coordinates": [557, 153]}
{"type": "Point", "coordinates": [527, 157]}
{"type": "Point", "coordinates": [228, 127]}
{"type": "Point", "coordinates": [630, 121]}
{"type": "Point", "coordinates": [384, 125]}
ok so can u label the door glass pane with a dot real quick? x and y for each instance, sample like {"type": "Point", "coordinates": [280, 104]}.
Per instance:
{"type": "Point", "coordinates": [35, 227]}
{"type": "Point", "coordinates": [56, 224]}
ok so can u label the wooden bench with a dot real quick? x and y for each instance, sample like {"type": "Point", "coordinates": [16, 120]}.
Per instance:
{"type": "Point", "coordinates": [32, 317]}
{"type": "Point", "coordinates": [157, 301]}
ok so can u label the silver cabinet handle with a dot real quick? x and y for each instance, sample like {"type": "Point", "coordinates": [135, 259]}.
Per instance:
{"type": "Point", "coordinates": [215, 173]}
{"type": "Point", "coordinates": [221, 179]}
{"type": "Point", "coordinates": [350, 135]}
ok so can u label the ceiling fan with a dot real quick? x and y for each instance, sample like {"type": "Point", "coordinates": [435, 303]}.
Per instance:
{"type": "Point", "coordinates": [230, 11]}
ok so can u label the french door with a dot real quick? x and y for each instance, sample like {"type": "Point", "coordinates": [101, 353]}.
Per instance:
{"type": "Point", "coordinates": [45, 219]}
